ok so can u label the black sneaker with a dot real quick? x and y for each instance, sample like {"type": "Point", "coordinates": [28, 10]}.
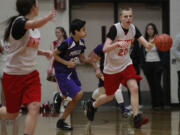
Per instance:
{"type": "Point", "coordinates": [90, 110]}
{"type": "Point", "coordinates": [57, 99]}
{"type": "Point", "coordinates": [62, 125]}
{"type": "Point", "coordinates": [139, 121]}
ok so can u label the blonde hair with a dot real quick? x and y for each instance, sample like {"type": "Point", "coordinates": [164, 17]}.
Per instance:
{"type": "Point", "coordinates": [125, 9]}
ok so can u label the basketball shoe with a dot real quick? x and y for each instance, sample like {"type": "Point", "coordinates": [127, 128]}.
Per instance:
{"type": "Point", "coordinates": [57, 99]}
{"type": "Point", "coordinates": [139, 120]}
{"type": "Point", "coordinates": [62, 125]}
{"type": "Point", "coordinates": [90, 110]}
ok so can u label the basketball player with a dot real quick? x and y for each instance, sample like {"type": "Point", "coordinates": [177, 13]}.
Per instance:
{"type": "Point", "coordinates": [3, 54]}
{"type": "Point", "coordinates": [118, 66]}
{"type": "Point", "coordinates": [61, 36]}
{"type": "Point", "coordinates": [98, 55]}
{"type": "Point", "coordinates": [66, 56]}
{"type": "Point", "coordinates": [20, 81]}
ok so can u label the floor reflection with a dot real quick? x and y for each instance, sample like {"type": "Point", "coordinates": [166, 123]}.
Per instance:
{"type": "Point", "coordinates": [61, 132]}
{"type": "Point", "coordinates": [108, 121]}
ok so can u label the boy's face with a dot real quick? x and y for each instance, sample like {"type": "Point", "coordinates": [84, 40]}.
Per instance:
{"type": "Point", "coordinates": [126, 18]}
{"type": "Point", "coordinates": [82, 33]}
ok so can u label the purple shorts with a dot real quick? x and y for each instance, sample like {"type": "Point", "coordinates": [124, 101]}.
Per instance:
{"type": "Point", "coordinates": [69, 84]}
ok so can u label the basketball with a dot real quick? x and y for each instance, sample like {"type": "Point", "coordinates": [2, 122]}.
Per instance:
{"type": "Point", "coordinates": [163, 42]}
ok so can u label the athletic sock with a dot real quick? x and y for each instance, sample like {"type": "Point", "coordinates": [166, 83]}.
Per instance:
{"type": "Point", "coordinates": [122, 107]}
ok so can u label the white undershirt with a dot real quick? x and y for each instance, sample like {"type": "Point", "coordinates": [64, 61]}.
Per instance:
{"type": "Point", "coordinates": [152, 55]}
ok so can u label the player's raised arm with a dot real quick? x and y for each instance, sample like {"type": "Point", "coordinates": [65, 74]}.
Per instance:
{"type": "Point", "coordinates": [41, 21]}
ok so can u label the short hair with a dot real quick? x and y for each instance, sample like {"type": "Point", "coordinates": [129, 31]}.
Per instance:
{"type": "Point", "coordinates": [76, 24]}
{"type": "Point", "coordinates": [125, 9]}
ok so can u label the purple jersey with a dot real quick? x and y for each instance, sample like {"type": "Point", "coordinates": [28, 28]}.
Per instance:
{"type": "Point", "coordinates": [99, 52]}
{"type": "Point", "coordinates": [69, 50]}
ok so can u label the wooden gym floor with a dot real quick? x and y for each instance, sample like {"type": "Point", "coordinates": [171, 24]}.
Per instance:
{"type": "Point", "coordinates": [108, 121]}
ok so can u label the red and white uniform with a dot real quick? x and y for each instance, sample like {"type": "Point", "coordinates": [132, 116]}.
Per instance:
{"type": "Point", "coordinates": [118, 59]}
{"type": "Point", "coordinates": [21, 82]}
{"type": "Point", "coordinates": [118, 68]}
{"type": "Point", "coordinates": [55, 44]}
{"type": "Point", "coordinates": [21, 56]}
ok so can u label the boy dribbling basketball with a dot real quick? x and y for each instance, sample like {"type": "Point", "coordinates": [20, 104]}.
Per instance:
{"type": "Point", "coordinates": [118, 66]}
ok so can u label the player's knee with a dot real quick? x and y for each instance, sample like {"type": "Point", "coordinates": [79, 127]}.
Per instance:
{"type": "Point", "coordinates": [79, 95]}
{"type": "Point", "coordinates": [110, 98]}
{"type": "Point", "coordinates": [34, 108]}
{"type": "Point", "coordinates": [134, 90]}
{"type": "Point", "coordinates": [12, 116]}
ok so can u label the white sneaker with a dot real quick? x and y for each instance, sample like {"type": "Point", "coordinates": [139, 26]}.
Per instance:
{"type": "Point", "coordinates": [127, 113]}
{"type": "Point", "coordinates": [62, 108]}
{"type": "Point", "coordinates": [129, 107]}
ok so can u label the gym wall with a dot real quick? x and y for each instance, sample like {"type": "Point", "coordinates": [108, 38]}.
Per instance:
{"type": "Point", "coordinates": [174, 29]}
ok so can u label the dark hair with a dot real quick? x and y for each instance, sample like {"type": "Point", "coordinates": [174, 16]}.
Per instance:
{"type": "Point", "coordinates": [23, 7]}
{"type": "Point", "coordinates": [76, 24]}
{"type": "Point", "coordinates": [154, 28]}
{"type": "Point", "coordinates": [63, 32]}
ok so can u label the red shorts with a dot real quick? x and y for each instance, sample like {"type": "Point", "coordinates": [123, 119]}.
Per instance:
{"type": "Point", "coordinates": [21, 89]}
{"type": "Point", "coordinates": [112, 81]}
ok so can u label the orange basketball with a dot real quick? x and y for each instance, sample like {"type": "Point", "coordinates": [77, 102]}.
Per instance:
{"type": "Point", "coordinates": [163, 42]}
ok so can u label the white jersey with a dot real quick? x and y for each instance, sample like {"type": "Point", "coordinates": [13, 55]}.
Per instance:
{"type": "Point", "coordinates": [118, 59]}
{"type": "Point", "coordinates": [21, 56]}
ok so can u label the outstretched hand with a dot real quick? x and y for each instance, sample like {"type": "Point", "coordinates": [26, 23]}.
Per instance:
{"type": "Point", "coordinates": [71, 64]}
{"type": "Point", "coordinates": [98, 73]}
{"type": "Point", "coordinates": [52, 14]}
{"type": "Point", "coordinates": [150, 46]}
{"type": "Point", "coordinates": [48, 54]}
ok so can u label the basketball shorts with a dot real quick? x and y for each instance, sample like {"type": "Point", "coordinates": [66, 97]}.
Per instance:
{"type": "Point", "coordinates": [112, 81]}
{"type": "Point", "coordinates": [21, 90]}
{"type": "Point", "coordinates": [68, 83]}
